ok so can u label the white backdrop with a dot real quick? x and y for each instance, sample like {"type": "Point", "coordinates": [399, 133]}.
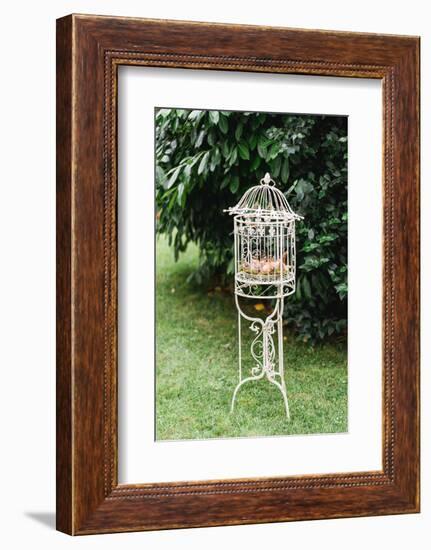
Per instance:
{"type": "Point", "coordinates": [27, 310]}
{"type": "Point", "coordinates": [141, 459]}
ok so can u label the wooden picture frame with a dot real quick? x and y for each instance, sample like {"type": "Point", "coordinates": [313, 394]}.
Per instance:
{"type": "Point", "coordinates": [89, 51]}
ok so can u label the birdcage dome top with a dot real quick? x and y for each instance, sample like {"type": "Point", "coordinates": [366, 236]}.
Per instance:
{"type": "Point", "coordinates": [264, 199]}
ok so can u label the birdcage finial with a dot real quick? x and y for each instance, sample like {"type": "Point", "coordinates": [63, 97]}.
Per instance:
{"type": "Point", "coordinates": [267, 180]}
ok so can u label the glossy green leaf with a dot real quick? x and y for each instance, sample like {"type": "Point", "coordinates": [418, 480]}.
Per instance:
{"type": "Point", "coordinates": [234, 184]}
{"type": "Point", "coordinates": [255, 163]}
{"type": "Point", "coordinates": [203, 163]}
{"type": "Point", "coordinates": [238, 131]}
{"type": "Point", "coordinates": [244, 153]}
{"type": "Point", "coordinates": [223, 124]}
{"type": "Point", "coordinates": [173, 177]}
{"type": "Point", "coordinates": [214, 116]}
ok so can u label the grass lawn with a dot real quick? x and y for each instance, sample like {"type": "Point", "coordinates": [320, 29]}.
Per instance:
{"type": "Point", "coordinates": [197, 368]}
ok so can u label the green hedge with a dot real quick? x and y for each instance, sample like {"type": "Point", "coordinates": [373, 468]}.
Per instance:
{"type": "Point", "coordinates": [206, 160]}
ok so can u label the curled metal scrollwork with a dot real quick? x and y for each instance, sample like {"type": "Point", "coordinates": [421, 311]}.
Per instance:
{"type": "Point", "coordinates": [256, 349]}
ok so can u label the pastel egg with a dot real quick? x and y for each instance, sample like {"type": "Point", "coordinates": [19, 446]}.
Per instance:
{"type": "Point", "coordinates": [255, 266]}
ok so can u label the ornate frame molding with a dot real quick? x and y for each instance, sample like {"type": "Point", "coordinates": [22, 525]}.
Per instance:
{"type": "Point", "coordinates": [89, 498]}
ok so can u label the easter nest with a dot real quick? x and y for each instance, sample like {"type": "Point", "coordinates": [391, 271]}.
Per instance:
{"type": "Point", "coordinates": [264, 270]}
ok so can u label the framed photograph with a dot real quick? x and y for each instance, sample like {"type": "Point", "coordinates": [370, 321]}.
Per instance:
{"type": "Point", "coordinates": [237, 274]}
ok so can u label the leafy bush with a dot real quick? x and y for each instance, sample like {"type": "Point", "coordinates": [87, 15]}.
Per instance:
{"type": "Point", "coordinates": [206, 160]}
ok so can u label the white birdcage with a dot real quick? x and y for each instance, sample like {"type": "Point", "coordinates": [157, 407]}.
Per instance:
{"type": "Point", "coordinates": [264, 234]}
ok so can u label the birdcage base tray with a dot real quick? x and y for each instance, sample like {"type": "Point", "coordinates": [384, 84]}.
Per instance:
{"type": "Point", "coordinates": [270, 279]}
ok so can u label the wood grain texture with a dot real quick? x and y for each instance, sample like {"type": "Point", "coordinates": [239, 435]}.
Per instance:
{"type": "Point", "coordinates": [90, 49]}
{"type": "Point", "coordinates": [64, 497]}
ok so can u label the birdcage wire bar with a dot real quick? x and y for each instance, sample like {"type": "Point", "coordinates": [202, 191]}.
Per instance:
{"type": "Point", "coordinates": [265, 265]}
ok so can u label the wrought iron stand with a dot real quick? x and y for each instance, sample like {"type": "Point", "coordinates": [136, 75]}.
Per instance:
{"type": "Point", "coordinates": [263, 351]}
